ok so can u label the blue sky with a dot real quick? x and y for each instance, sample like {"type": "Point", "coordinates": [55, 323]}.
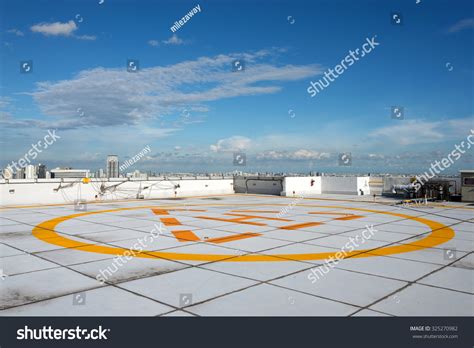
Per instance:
{"type": "Point", "coordinates": [194, 112]}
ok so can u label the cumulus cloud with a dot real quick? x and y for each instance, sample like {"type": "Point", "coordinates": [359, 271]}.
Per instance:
{"type": "Point", "coordinates": [113, 96]}
{"type": "Point", "coordinates": [232, 144]}
{"type": "Point", "coordinates": [55, 29]}
{"type": "Point", "coordinates": [154, 43]}
{"type": "Point", "coordinates": [467, 23]}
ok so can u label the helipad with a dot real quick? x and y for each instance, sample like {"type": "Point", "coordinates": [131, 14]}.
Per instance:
{"type": "Point", "coordinates": [238, 255]}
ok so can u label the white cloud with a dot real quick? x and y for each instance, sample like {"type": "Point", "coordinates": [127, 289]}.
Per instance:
{"type": "Point", "coordinates": [458, 126]}
{"type": "Point", "coordinates": [4, 101]}
{"type": "Point", "coordinates": [302, 154]}
{"type": "Point", "coordinates": [174, 40]}
{"type": "Point", "coordinates": [55, 29]}
{"type": "Point", "coordinates": [467, 23]}
{"type": "Point", "coordinates": [16, 32]}
{"type": "Point", "coordinates": [375, 156]}
{"type": "Point", "coordinates": [412, 132]}
{"type": "Point", "coordinates": [114, 96]}
{"type": "Point", "coordinates": [232, 144]}
{"type": "Point", "coordinates": [86, 37]}
{"type": "Point", "coordinates": [409, 133]}
{"type": "Point", "coordinates": [308, 154]}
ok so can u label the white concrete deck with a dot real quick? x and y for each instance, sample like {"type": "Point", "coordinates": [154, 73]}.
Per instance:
{"type": "Point", "coordinates": [210, 269]}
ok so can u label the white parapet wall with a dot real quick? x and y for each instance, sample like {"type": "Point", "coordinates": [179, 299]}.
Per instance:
{"type": "Point", "coordinates": [376, 185]}
{"type": "Point", "coordinates": [60, 191]}
{"type": "Point", "coordinates": [347, 185]}
{"type": "Point", "coordinates": [301, 186]}
{"type": "Point", "coordinates": [57, 191]}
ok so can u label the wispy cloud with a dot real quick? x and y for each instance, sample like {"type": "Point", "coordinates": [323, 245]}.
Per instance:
{"type": "Point", "coordinates": [16, 32]}
{"type": "Point", "coordinates": [86, 37]}
{"type": "Point", "coordinates": [301, 154]}
{"type": "Point", "coordinates": [412, 132]}
{"type": "Point", "coordinates": [4, 102]}
{"type": "Point", "coordinates": [467, 23]}
{"type": "Point", "coordinates": [154, 43]}
{"type": "Point", "coordinates": [113, 96]}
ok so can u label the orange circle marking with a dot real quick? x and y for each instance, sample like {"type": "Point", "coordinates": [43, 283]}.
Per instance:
{"type": "Point", "coordinates": [440, 234]}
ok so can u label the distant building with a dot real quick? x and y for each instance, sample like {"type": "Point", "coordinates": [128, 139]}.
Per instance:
{"type": "Point", "coordinates": [30, 172]}
{"type": "Point", "coordinates": [112, 166]}
{"type": "Point", "coordinates": [60, 173]}
{"type": "Point", "coordinates": [41, 171]}
{"type": "Point", "coordinates": [100, 173]}
{"type": "Point", "coordinates": [20, 174]}
{"type": "Point", "coordinates": [8, 173]}
{"type": "Point", "coordinates": [137, 175]}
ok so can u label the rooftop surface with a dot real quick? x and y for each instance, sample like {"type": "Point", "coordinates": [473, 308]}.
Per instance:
{"type": "Point", "coordinates": [238, 255]}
